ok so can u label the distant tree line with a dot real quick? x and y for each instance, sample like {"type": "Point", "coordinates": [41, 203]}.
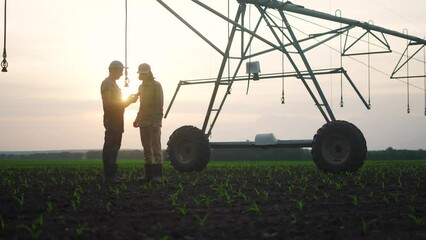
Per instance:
{"type": "Point", "coordinates": [89, 155]}
{"type": "Point", "coordinates": [260, 154]}
{"type": "Point", "coordinates": [42, 155]}
{"type": "Point", "coordinates": [236, 154]}
{"type": "Point", "coordinates": [394, 154]}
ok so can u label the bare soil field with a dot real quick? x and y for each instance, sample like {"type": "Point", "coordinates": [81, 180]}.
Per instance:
{"type": "Point", "coordinates": [380, 201]}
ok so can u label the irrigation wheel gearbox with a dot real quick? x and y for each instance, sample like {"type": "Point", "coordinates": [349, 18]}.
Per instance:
{"type": "Point", "coordinates": [188, 149]}
{"type": "Point", "coordinates": [339, 146]}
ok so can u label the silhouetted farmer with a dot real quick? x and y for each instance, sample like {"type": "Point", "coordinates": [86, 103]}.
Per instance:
{"type": "Point", "coordinates": [113, 106]}
{"type": "Point", "coordinates": [149, 120]}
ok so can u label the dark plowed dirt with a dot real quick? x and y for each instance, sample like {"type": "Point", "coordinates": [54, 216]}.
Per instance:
{"type": "Point", "coordinates": [218, 203]}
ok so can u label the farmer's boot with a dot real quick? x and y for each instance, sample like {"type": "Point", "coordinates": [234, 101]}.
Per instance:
{"type": "Point", "coordinates": [158, 173]}
{"type": "Point", "coordinates": [149, 174]}
{"type": "Point", "coordinates": [109, 177]}
{"type": "Point", "coordinates": [114, 167]}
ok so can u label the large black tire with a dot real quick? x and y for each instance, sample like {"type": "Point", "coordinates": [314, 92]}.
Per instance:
{"type": "Point", "coordinates": [188, 149]}
{"type": "Point", "coordinates": [339, 146]}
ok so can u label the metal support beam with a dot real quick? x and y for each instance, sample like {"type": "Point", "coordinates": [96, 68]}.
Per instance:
{"type": "Point", "coordinates": [222, 69]}
{"type": "Point", "coordinates": [290, 7]}
{"type": "Point", "coordinates": [248, 144]}
{"type": "Point", "coordinates": [330, 116]}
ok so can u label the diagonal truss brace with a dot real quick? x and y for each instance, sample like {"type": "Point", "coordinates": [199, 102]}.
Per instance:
{"type": "Point", "coordinates": [383, 41]}
{"type": "Point", "coordinates": [402, 63]}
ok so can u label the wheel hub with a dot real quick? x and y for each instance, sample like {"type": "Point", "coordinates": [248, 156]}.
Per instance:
{"type": "Point", "coordinates": [185, 152]}
{"type": "Point", "coordinates": [336, 149]}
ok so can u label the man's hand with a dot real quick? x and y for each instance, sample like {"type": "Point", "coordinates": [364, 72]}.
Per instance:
{"type": "Point", "coordinates": [136, 123]}
{"type": "Point", "coordinates": [133, 98]}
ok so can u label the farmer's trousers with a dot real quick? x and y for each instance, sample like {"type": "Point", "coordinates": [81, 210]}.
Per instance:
{"type": "Point", "coordinates": [151, 143]}
{"type": "Point", "coordinates": [111, 147]}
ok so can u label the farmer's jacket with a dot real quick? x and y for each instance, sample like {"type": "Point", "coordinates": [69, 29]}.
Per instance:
{"type": "Point", "coordinates": [151, 103]}
{"type": "Point", "coordinates": [113, 114]}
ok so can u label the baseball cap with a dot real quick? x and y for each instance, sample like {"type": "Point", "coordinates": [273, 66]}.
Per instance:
{"type": "Point", "coordinates": [144, 68]}
{"type": "Point", "coordinates": [116, 64]}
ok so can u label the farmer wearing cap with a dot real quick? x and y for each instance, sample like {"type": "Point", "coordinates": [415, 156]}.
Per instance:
{"type": "Point", "coordinates": [113, 106]}
{"type": "Point", "coordinates": [149, 120]}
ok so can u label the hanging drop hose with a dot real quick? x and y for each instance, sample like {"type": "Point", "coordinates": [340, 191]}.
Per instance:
{"type": "Point", "coordinates": [126, 80]}
{"type": "Point", "coordinates": [369, 72]}
{"type": "Point", "coordinates": [424, 74]}
{"type": "Point", "coordinates": [228, 60]}
{"type": "Point", "coordinates": [369, 67]}
{"type": "Point", "coordinates": [338, 11]}
{"type": "Point", "coordinates": [248, 80]}
{"type": "Point", "coordinates": [408, 73]}
{"type": "Point", "coordinates": [282, 66]}
{"type": "Point", "coordinates": [4, 63]}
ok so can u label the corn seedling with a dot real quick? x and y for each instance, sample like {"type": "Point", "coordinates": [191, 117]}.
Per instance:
{"type": "Point", "coordinates": [35, 229]}
{"type": "Point", "coordinates": [399, 181]}
{"type": "Point", "coordinates": [2, 224]}
{"type": "Point", "coordinates": [75, 205]}
{"type": "Point", "coordinates": [313, 196]}
{"type": "Point", "coordinates": [395, 196]}
{"type": "Point", "coordinates": [207, 200]}
{"type": "Point", "coordinates": [412, 197]}
{"type": "Point", "coordinates": [19, 200]}
{"type": "Point", "coordinates": [227, 197]}
{"type": "Point", "coordinates": [265, 195]}
{"type": "Point", "coordinates": [202, 220]}
{"type": "Point", "coordinates": [108, 206]}
{"type": "Point", "coordinates": [338, 186]}
{"type": "Point", "coordinates": [194, 183]}
{"type": "Point", "coordinates": [354, 199]}
{"type": "Point", "coordinates": [115, 190]}
{"type": "Point", "coordinates": [24, 182]}
{"type": "Point", "coordinates": [364, 225]}
{"type": "Point", "coordinates": [81, 228]}
{"type": "Point", "coordinates": [196, 202]}
{"type": "Point", "coordinates": [290, 189]}
{"type": "Point", "coordinates": [147, 185]}
{"type": "Point", "coordinates": [180, 188]}
{"type": "Point", "coordinates": [254, 208]}
{"type": "Point", "coordinates": [174, 197]}
{"type": "Point", "coordinates": [298, 203]}
{"type": "Point", "coordinates": [385, 199]}
{"type": "Point", "coordinates": [242, 195]}
{"type": "Point", "coordinates": [411, 209]}
{"type": "Point", "coordinates": [49, 207]}
{"type": "Point", "coordinates": [417, 220]}
{"type": "Point", "coordinates": [16, 191]}
{"type": "Point", "coordinates": [183, 210]}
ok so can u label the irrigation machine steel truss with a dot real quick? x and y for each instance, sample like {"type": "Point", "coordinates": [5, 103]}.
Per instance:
{"type": "Point", "coordinates": [338, 145]}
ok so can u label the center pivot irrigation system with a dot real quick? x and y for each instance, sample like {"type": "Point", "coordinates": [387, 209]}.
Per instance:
{"type": "Point", "coordinates": [338, 145]}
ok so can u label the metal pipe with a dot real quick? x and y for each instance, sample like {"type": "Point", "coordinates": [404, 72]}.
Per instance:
{"type": "Point", "coordinates": [290, 7]}
{"type": "Point", "coordinates": [367, 105]}
{"type": "Point", "coordinates": [221, 70]}
{"type": "Point", "coordinates": [173, 99]}
{"type": "Point", "coordinates": [312, 75]}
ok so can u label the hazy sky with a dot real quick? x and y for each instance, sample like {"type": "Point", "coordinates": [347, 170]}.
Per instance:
{"type": "Point", "coordinates": [59, 51]}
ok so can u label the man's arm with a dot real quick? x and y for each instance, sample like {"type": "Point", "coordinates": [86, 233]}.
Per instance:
{"type": "Point", "coordinates": [137, 119]}
{"type": "Point", "coordinates": [109, 101]}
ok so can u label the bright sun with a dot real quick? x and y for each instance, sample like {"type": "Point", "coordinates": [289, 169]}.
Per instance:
{"type": "Point", "coordinates": [127, 91]}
